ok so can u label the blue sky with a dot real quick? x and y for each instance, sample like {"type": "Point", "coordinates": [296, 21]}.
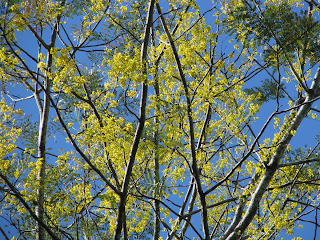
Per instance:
{"type": "Point", "coordinates": [305, 136]}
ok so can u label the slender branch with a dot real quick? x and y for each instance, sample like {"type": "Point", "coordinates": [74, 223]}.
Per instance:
{"type": "Point", "coordinates": [301, 83]}
{"type": "Point", "coordinates": [245, 157]}
{"type": "Point", "coordinates": [312, 182]}
{"type": "Point", "coordinates": [313, 93]}
{"type": "Point", "coordinates": [140, 127]}
{"type": "Point", "coordinates": [110, 166]}
{"type": "Point", "coordinates": [74, 144]}
{"type": "Point", "coordinates": [213, 205]}
{"type": "Point", "coordinates": [171, 210]}
{"type": "Point", "coordinates": [194, 193]}
{"type": "Point", "coordinates": [27, 207]}
{"type": "Point", "coordinates": [298, 163]}
{"type": "Point", "coordinates": [4, 234]}
{"type": "Point", "coordinates": [39, 39]}
{"type": "Point", "coordinates": [43, 127]}
{"type": "Point", "coordinates": [196, 172]}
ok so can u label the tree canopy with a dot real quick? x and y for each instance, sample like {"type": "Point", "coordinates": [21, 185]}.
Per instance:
{"type": "Point", "coordinates": [142, 119]}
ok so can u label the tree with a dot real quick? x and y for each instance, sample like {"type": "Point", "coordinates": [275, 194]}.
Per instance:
{"type": "Point", "coordinates": [161, 126]}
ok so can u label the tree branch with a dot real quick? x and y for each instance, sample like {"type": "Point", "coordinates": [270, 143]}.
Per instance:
{"type": "Point", "coordinates": [137, 137]}
{"type": "Point", "coordinates": [276, 158]}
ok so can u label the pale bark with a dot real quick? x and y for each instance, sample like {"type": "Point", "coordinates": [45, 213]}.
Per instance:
{"type": "Point", "coordinates": [43, 126]}
{"type": "Point", "coordinates": [76, 147]}
{"type": "Point", "coordinates": [196, 194]}
{"type": "Point", "coordinates": [44, 117]}
{"type": "Point", "coordinates": [273, 164]}
{"type": "Point", "coordinates": [18, 195]}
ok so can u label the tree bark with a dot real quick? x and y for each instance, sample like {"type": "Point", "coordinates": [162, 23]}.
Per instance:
{"type": "Point", "coordinates": [143, 101]}
{"type": "Point", "coordinates": [44, 117]}
{"type": "Point", "coordinates": [195, 169]}
{"type": "Point", "coordinates": [271, 168]}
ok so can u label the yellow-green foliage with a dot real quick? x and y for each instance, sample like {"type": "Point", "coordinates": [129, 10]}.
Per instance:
{"type": "Point", "coordinates": [98, 111]}
{"type": "Point", "coordinates": [9, 133]}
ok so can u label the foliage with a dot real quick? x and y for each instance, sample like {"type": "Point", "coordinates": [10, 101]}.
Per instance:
{"type": "Point", "coordinates": [267, 91]}
{"type": "Point", "coordinates": [154, 123]}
